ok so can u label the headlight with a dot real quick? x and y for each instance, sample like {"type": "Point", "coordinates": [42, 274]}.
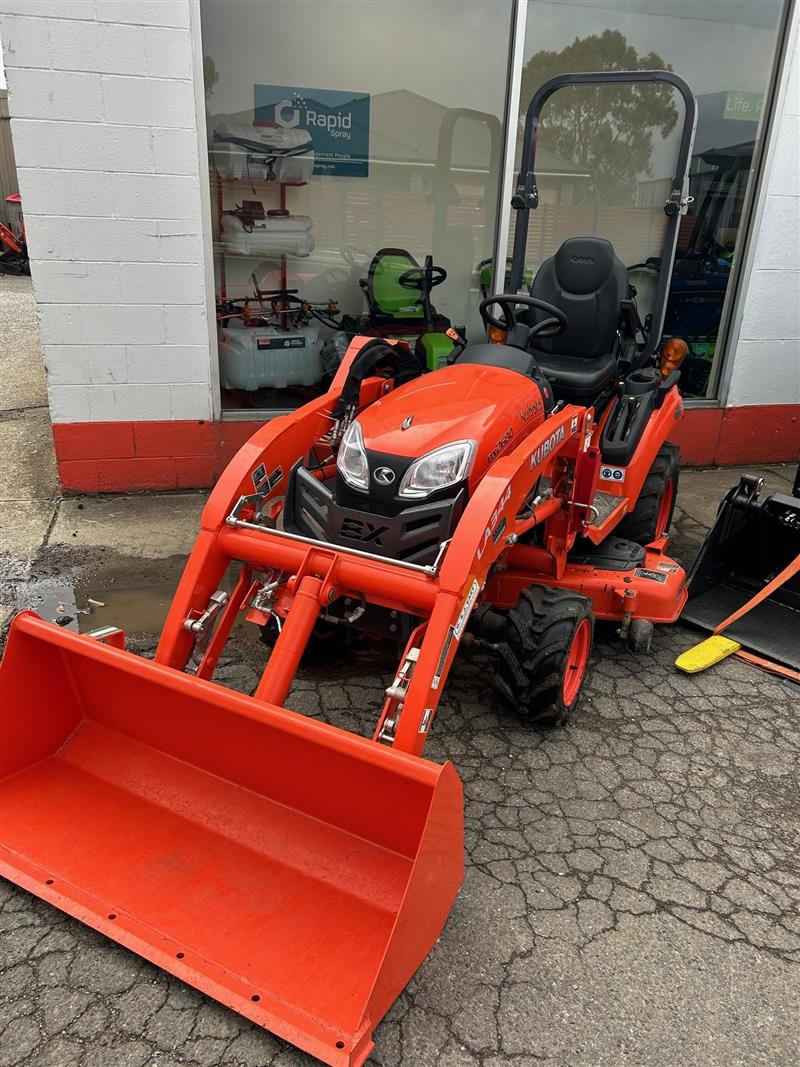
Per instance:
{"type": "Point", "coordinates": [351, 461]}
{"type": "Point", "coordinates": [438, 469]}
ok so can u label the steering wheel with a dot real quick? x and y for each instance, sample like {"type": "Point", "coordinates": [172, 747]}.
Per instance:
{"type": "Point", "coordinates": [423, 279]}
{"type": "Point", "coordinates": [554, 325]}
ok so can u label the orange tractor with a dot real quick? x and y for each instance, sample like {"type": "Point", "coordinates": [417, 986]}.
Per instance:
{"type": "Point", "coordinates": [294, 871]}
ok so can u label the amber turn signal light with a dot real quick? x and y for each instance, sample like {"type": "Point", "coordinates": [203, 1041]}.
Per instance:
{"type": "Point", "coordinates": [673, 354]}
{"type": "Point", "coordinates": [497, 336]}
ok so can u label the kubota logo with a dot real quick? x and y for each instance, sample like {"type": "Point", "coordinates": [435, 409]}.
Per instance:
{"type": "Point", "coordinates": [384, 475]}
{"type": "Point", "coordinates": [547, 447]}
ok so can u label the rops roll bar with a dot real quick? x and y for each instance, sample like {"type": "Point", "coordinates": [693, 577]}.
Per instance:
{"type": "Point", "coordinates": [526, 194]}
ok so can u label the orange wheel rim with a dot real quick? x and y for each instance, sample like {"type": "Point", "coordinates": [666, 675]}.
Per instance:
{"type": "Point", "coordinates": [665, 508]}
{"type": "Point", "coordinates": [577, 662]}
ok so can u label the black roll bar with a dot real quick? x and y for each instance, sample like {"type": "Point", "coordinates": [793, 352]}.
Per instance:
{"type": "Point", "coordinates": [526, 194]}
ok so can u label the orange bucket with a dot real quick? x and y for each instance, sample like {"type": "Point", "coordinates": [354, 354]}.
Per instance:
{"type": "Point", "coordinates": [295, 872]}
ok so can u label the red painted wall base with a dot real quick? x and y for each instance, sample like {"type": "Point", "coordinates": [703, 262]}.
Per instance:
{"type": "Point", "coordinates": [118, 457]}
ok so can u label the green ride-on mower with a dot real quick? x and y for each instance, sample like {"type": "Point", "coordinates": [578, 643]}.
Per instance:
{"type": "Point", "coordinates": [398, 295]}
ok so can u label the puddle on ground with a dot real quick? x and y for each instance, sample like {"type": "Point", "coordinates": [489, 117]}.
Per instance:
{"type": "Point", "coordinates": [52, 599]}
{"type": "Point", "coordinates": [135, 609]}
{"type": "Point", "coordinates": [141, 609]}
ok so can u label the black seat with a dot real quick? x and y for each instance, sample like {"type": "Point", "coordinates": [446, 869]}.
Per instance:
{"type": "Point", "coordinates": [586, 281]}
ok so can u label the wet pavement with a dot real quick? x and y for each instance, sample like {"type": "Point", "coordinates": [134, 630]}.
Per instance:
{"type": "Point", "coordinates": [632, 892]}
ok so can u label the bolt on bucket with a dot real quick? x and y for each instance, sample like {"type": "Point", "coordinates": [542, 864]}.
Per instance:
{"type": "Point", "coordinates": [295, 872]}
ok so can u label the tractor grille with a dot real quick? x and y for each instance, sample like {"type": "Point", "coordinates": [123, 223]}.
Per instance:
{"type": "Point", "coordinates": [387, 509]}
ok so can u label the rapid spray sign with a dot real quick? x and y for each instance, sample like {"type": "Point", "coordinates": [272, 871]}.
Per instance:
{"type": "Point", "coordinates": [337, 121]}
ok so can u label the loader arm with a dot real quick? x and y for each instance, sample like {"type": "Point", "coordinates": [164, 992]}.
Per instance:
{"type": "Point", "coordinates": [317, 573]}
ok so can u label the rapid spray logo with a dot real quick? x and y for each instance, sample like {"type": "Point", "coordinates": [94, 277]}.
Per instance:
{"type": "Point", "coordinates": [297, 112]}
{"type": "Point", "coordinates": [338, 123]}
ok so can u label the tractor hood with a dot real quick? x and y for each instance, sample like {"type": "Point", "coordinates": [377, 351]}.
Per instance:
{"type": "Point", "coordinates": [490, 405]}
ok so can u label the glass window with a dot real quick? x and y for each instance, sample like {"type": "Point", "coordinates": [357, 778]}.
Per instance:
{"type": "Point", "coordinates": [604, 155]}
{"type": "Point", "coordinates": [337, 130]}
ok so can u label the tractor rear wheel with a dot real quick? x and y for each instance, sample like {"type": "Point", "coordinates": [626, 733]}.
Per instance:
{"type": "Point", "coordinates": [652, 515]}
{"type": "Point", "coordinates": [542, 645]}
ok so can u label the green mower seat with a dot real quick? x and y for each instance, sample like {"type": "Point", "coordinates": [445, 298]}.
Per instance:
{"type": "Point", "coordinates": [391, 303]}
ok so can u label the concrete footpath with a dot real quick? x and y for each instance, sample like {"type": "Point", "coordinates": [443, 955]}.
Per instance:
{"type": "Point", "coordinates": [632, 893]}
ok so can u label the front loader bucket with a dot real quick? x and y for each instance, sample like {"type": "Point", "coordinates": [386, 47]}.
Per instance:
{"type": "Point", "coordinates": [293, 871]}
{"type": "Point", "coordinates": [751, 542]}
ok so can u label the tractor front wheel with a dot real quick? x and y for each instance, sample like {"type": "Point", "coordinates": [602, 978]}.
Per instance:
{"type": "Point", "coordinates": [542, 645]}
{"type": "Point", "coordinates": [652, 514]}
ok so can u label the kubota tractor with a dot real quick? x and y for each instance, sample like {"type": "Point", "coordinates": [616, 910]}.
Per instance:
{"type": "Point", "coordinates": [292, 870]}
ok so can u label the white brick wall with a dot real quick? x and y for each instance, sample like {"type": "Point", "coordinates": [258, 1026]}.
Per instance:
{"type": "Point", "coordinates": [104, 126]}
{"type": "Point", "coordinates": [766, 361]}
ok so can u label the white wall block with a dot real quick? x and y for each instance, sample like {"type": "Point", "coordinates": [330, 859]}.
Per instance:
{"type": "Point", "coordinates": [167, 363]}
{"type": "Point", "coordinates": [174, 151]}
{"type": "Point", "coordinates": [64, 192]}
{"type": "Point", "coordinates": [778, 241]}
{"type": "Point", "coordinates": [54, 94]}
{"type": "Point", "coordinates": [128, 403]}
{"type": "Point", "coordinates": [114, 240]}
{"type": "Point", "coordinates": [100, 146]}
{"type": "Point", "coordinates": [180, 242]}
{"type": "Point", "coordinates": [784, 177]}
{"type": "Point", "coordinates": [168, 283]}
{"type": "Point", "coordinates": [82, 146]}
{"type": "Point", "coordinates": [90, 46]}
{"type": "Point", "coordinates": [128, 324]}
{"type": "Point", "coordinates": [69, 403]}
{"type": "Point", "coordinates": [36, 143]}
{"type": "Point", "coordinates": [189, 402]}
{"type": "Point", "coordinates": [147, 196]}
{"type": "Point", "coordinates": [59, 324]}
{"type": "Point", "coordinates": [168, 53]}
{"type": "Point", "coordinates": [73, 9]}
{"type": "Point", "coordinates": [772, 310]}
{"type": "Point", "coordinates": [101, 324]}
{"type": "Point", "coordinates": [23, 49]}
{"type": "Point", "coordinates": [774, 376]}
{"type": "Point", "coordinates": [49, 237]}
{"type": "Point", "coordinates": [82, 364]}
{"type": "Point", "coordinates": [793, 88]}
{"type": "Point", "coordinates": [185, 325]}
{"type": "Point", "coordinates": [149, 101]}
{"type": "Point", "coordinates": [63, 282]}
{"type": "Point", "coordinates": [145, 12]}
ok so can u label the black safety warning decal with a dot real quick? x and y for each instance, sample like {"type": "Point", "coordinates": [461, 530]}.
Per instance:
{"type": "Point", "coordinates": [263, 482]}
{"type": "Point", "coordinates": [651, 576]}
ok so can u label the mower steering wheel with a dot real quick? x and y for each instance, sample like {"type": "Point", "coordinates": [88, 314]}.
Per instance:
{"type": "Point", "coordinates": [423, 279]}
{"type": "Point", "coordinates": [554, 325]}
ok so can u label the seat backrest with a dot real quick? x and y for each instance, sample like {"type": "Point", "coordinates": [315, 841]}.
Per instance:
{"type": "Point", "coordinates": [385, 295]}
{"type": "Point", "coordinates": [586, 281]}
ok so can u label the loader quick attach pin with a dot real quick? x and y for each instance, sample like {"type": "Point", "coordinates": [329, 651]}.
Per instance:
{"type": "Point", "coordinates": [396, 693]}
{"type": "Point", "coordinates": [203, 627]}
